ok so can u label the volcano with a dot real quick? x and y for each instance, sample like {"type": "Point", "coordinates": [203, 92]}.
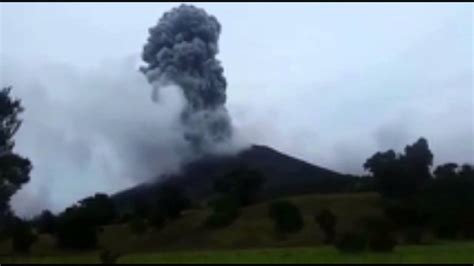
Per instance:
{"type": "Point", "coordinates": [284, 176]}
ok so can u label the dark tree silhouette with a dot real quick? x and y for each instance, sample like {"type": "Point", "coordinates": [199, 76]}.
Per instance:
{"type": "Point", "coordinates": [385, 168]}
{"type": "Point", "coordinates": [76, 229]}
{"type": "Point", "coordinates": [46, 222]}
{"type": "Point", "coordinates": [449, 200]}
{"type": "Point", "coordinates": [403, 174]}
{"type": "Point", "coordinates": [416, 164]}
{"type": "Point", "coordinates": [447, 170]}
{"type": "Point", "coordinates": [22, 235]}
{"type": "Point", "coordinates": [14, 169]}
{"type": "Point", "coordinates": [100, 208]}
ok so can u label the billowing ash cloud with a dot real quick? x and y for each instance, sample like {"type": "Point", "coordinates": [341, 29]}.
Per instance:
{"type": "Point", "coordinates": [181, 50]}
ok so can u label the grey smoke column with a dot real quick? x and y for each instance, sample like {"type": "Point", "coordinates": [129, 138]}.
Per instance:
{"type": "Point", "coordinates": [181, 50]}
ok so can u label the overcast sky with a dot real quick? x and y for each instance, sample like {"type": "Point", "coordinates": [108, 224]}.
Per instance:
{"type": "Point", "coordinates": [327, 83]}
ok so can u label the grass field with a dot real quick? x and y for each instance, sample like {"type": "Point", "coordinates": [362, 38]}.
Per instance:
{"type": "Point", "coordinates": [440, 253]}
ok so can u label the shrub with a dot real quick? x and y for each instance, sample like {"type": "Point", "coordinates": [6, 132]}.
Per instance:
{"type": "Point", "coordinates": [351, 242]}
{"type": "Point", "coordinates": [286, 216]}
{"type": "Point", "coordinates": [327, 222]}
{"type": "Point", "coordinates": [138, 225]}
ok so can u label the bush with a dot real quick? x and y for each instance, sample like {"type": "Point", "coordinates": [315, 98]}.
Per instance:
{"type": "Point", "coordinates": [138, 225]}
{"type": "Point", "coordinates": [287, 217]}
{"type": "Point", "coordinates": [22, 236]}
{"type": "Point", "coordinates": [327, 222]}
{"type": "Point", "coordinates": [351, 242]}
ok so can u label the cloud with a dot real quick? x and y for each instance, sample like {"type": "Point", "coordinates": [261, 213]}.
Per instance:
{"type": "Point", "coordinates": [91, 131]}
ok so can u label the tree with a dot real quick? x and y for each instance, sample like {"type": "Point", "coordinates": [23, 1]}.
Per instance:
{"type": "Point", "coordinates": [286, 216]}
{"type": "Point", "coordinates": [401, 175]}
{"type": "Point", "coordinates": [46, 222]}
{"type": "Point", "coordinates": [14, 169]}
{"type": "Point", "coordinates": [100, 208]}
{"type": "Point", "coordinates": [449, 201]}
{"type": "Point", "coordinates": [22, 236]}
{"type": "Point", "coordinates": [385, 168]}
{"type": "Point", "coordinates": [327, 222]}
{"type": "Point", "coordinates": [76, 229]}
{"type": "Point", "coordinates": [242, 183]}
{"type": "Point", "coordinates": [447, 170]}
{"type": "Point", "coordinates": [171, 201]}
{"type": "Point", "coordinates": [416, 165]}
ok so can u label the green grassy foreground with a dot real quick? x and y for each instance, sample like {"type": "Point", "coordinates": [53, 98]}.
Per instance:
{"type": "Point", "coordinates": [439, 253]}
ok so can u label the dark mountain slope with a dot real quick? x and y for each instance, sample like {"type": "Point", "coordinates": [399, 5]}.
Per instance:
{"type": "Point", "coordinates": [284, 175]}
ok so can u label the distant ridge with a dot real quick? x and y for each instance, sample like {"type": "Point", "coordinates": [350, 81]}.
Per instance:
{"type": "Point", "coordinates": [285, 176]}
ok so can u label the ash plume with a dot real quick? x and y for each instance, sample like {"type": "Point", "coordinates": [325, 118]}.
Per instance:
{"type": "Point", "coordinates": [181, 50]}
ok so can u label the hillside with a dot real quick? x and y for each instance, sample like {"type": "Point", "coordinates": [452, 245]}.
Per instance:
{"type": "Point", "coordinates": [285, 176]}
{"type": "Point", "coordinates": [253, 229]}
